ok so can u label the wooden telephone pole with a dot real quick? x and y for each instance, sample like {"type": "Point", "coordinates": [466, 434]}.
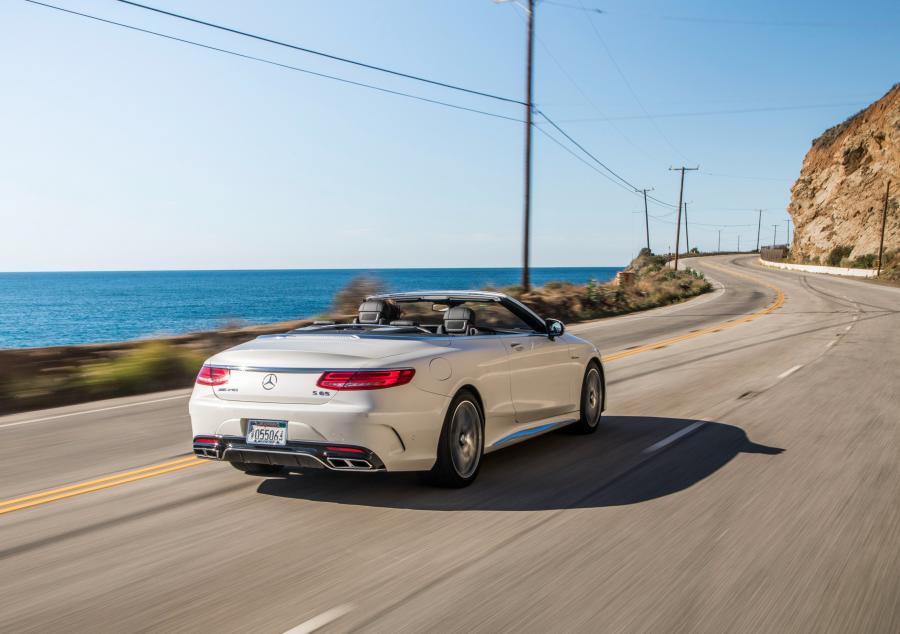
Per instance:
{"type": "Point", "coordinates": [529, 75]}
{"type": "Point", "coordinates": [647, 217]}
{"type": "Point", "coordinates": [887, 192]}
{"type": "Point", "coordinates": [758, 228]}
{"type": "Point", "coordinates": [681, 169]}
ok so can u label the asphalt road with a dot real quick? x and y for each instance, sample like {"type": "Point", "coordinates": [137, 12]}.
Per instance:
{"type": "Point", "coordinates": [747, 478]}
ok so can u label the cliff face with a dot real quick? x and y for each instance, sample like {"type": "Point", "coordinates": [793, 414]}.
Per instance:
{"type": "Point", "coordinates": [838, 199]}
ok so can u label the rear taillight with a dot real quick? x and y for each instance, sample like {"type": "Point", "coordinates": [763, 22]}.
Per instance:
{"type": "Point", "coordinates": [364, 379]}
{"type": "Point", "coordinates": [211, 375]}
{"type": "Point", "coordinates": [206, 440]}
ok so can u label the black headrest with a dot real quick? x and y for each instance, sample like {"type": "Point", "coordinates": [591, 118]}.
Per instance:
{"type": "Point", "coordinates": [376, 312]}
{"type": "Point", "coordinates": [458, 320]}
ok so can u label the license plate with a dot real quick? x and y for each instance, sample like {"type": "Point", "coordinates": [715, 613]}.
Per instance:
{"type": "Point", "coordinates": [267, 432]}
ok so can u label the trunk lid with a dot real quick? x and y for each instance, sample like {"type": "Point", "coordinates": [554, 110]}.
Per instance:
{"type": "Point", "coordinates": [285, 368]}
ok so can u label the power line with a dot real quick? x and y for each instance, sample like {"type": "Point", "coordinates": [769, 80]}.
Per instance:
{"type": "Point", "coordinates": [715, 20]}
{"type": "Point", "coordinates": [627, 83]}
{"type": "Point", "coordinates": [631, 187]}
{"type": "Point", "coordinates": [661, 202]}
{"type": "Point", "coordinates": [621, 182]}
{"type": "Point", "coordinates": [565, 5]}
{"type": "Point", "coordinates": [609, 174]}
{"type": "Point", "coordinates": [777, 23]}
{"type": "Point", "coordinates": [278, 64]}
{"type": "Point", "coordinates": [706, 113]}
{"type": "Point", "coordinates": [712, 224]}
{"type": "Point", "coordinates": [585, 161]}
{"type": "Point", "coordinates": [582, 148]}
{"type": "Point", "coordinates": [331, 56]}
{"type": "Point", "coordinates": [742, 176]}
{"type": "Point", "coordinates": [584, 95]}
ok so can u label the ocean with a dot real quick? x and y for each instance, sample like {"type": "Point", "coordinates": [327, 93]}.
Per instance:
{"type": "Point", "coordinates": [50, 309]}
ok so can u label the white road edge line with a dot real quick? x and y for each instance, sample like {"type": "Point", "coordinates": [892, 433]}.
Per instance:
{"type": "Point", "coordinates": [789, 371]}
{"type": "Point", "coordinates": [92, 411]}
{"type": "Point", "coordinates": [673, 437]}
{"type": "Point", "coordinates": [831, 343]}
{"type": "Point", "coordinates": [322, 620]}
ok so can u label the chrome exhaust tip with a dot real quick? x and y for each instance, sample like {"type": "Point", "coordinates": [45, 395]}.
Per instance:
{"type": "Point", "coordinates": [207, 452]}
{"type": "Point", "coordinates": [349, 464]}
{"type": "Point", "coordinates": [209, 447]}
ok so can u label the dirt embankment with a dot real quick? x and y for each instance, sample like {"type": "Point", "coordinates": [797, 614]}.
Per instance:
{"type": "Point", "coordinates": [836, 203]}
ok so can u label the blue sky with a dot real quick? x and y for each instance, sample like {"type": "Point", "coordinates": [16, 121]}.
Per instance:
{"type": "Point", "coordinates": [126, 151]}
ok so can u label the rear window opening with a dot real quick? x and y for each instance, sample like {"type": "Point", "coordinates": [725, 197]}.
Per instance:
{"type": "Point", "coordinates": [425, 317]}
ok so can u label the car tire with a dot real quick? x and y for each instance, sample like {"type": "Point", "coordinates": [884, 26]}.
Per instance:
{"type": "Point", "coordinates": [592, 395]}
{"type": "Point", "coordinates": [461, 445]}
{"type": "Point", "coordinates": [257, 469]}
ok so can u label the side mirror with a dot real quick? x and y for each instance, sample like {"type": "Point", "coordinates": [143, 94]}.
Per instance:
{"type": "Point", "coordinates": [555, 328]}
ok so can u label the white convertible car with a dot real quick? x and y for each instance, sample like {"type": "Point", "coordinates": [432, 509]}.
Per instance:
{"type": "Point", "coordinates": [423, 381]}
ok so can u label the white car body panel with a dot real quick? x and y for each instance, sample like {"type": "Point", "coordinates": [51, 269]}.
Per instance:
{"type": "Point", "coordinates": [527, 384]}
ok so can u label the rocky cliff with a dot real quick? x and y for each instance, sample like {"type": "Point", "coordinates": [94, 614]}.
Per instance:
{"type": "Point", "coordinates": [838, 199]}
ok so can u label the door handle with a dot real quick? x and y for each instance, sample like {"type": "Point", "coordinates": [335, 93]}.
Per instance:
{"type": "Point", "coordinates": [518, 347]}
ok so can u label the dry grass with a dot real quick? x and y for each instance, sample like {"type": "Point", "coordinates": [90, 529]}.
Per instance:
{"type": "Point", "coordinates": [890, 270]}
{"type": "Point", "coordinates": [654, 285]}
{"type": "Point", "coordinates": [348, 299]}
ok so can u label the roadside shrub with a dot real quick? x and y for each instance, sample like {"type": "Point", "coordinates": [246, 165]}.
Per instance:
{"type": "Point", "coordinates": [696, 274]}
{"type": "Point", "coordinates": [591, 292]}
{"type": "Point", "coordinates": [837, 254]}
{"type": "Point", "coordinates": [890, 267]}
{"type": "Point", "coordinates": [866, 261]}
{"type": "Point", "coordinates": [348, 299]}
{"type": "Point", "coordinates": [652, 286]}
{"type": "Point", "coordinates": [152, 366]}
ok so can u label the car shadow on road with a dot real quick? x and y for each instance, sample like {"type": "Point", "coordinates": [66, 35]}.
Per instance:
{"type": "Point", "coordinates": [615, 466]}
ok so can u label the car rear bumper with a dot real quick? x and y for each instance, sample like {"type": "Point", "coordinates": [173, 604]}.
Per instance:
{"type": "Point", "coordinates": [402, 432]}
{"type": "Point", "coordinates": [300, 455]}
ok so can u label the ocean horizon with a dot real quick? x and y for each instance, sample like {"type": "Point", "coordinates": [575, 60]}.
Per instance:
{"type": "Point", "coordinates": [39, 309]}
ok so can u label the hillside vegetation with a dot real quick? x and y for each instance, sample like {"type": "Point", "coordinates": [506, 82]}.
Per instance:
{"type": "Point", "coordinates": [654, 284]}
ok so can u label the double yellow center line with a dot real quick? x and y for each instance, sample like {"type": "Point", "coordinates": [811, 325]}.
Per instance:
{"type": "Point", "coordinates": [51, 495]}
{"type": "Point", "coordinates": [656, 345]}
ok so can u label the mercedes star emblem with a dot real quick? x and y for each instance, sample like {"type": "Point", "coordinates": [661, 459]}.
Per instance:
{"type": "Point", "coordinates": [269, 381]}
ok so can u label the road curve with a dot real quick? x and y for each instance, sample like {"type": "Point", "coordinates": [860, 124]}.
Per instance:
{"type": "Point", "coordinates": [746, 478]}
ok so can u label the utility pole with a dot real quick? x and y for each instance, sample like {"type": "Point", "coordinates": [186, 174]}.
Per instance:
{"type": "Point", "coordinates": [687, 236]}
{"type": "Point", "coordinates": [774, 235]}
{"type": "Point", "coordinates": [758, 229]}
{"type": "Point", "coordinates": [647, 217]}
{"type": "Point", "coordinates": [526, 273]}
{"type": "Point", "coordinates": [887, 191]}
{"type": "Point", "coordinates": [681, 169]}
{"type": "Point", "coordinates": [719, 248]}
{"type": "Point", "coordinates": [788, 222]}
